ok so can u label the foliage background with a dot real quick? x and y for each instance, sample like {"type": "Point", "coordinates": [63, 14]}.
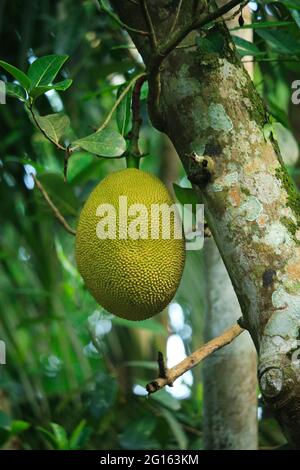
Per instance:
{"type": "Point", "coordinates": [70, 363]}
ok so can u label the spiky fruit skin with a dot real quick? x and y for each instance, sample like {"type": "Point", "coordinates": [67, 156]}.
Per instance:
{"type": "Point", "coordinates": [131, 278]}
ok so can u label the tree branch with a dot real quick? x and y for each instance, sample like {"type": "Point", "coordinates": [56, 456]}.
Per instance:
{"type": "Point", "coordinates": [181, 33]}
{"type": "Point", "coordinates": [52, 206]}
{"type": "Point", "coordinates": [237, 12]}
{"type": "Point", "coordinates": [176, 16]}
{"type": "Point", "coordinates": [149, 23]}
{"type": "Point", "coordinates": [136, 117]}
{"type": "Point", "coordinates": [118, 21]}
{"type": "Point", "coordinates": [168, 376]}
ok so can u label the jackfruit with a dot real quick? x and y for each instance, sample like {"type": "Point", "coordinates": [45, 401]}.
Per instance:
{"type": "Point", "coordinates": [130, 263]}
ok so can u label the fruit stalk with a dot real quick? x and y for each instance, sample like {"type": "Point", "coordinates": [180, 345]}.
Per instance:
{"type": "Point", "coordinates": [133, 150]}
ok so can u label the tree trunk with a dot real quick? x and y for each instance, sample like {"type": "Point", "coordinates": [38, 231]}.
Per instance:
{"type": "Point", "coordinates": [208, 105]}
{"type": "Point", "coordinates": [229, 375]}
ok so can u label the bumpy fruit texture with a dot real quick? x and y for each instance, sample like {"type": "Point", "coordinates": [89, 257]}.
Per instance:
{"type": "Point", "coordinates": [131, 278]}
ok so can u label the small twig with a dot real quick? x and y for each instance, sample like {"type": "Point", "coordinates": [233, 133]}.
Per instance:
{"type": "Point", "coordinates": [164, 50]}
{"type": "Point", "coordinates": [54, 209]}
{"type": "Point", "coordinates": [236, 13]}
{"type": "Point", "coordinates": [176, 16]}
{"type": "Point", "coordinates": [57, 144]}
{"type": "Point", "coordinates": [119, 99]}
{"type": "Point", "coordinates": [136, 117]}
{"type": "Point", "coordinates": [118, 21]}
{"type": "Point", "coordinates": [149, 24]}
{"type": "Point", "coordinates": [191, 429]}
{"type": "Point", "coordinates": [162, 369]}
{"type": "Point", "coordinates": [195, 358]}
{"type": "Point", "coordinates": [178, 36]}
{"type": "Point", "coordinates": [154, 98]}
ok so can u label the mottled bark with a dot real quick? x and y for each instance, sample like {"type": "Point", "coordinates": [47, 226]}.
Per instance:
{"type": "Point", "coordinates": [209, 105]}
{"type": "Point", "coordinates": [229, 375]}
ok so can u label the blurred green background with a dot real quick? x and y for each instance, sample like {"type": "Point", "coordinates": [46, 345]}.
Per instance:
{"type": "Point", "coordinates": [75, 374]}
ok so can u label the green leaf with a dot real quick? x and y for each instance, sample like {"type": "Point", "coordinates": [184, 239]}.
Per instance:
{"type": "Point", "coordinates": [213, 42]}
{"type": "Point", "coordinates": [124, 111]}
{"type": "Point", "coordinates": [145, 90]}
{"type": "Point", "coordinates": [17, 74]}
{"type": "Point", "coordinates": [185, 195]}
{"type": "Point", "coordinates": [165, 399]}
{"type": "Point", "coordinates": [54, 125]}
{"type": "Point", "coordinates": [138, 434]}
{"type": "Point", "coordinates": [50, 437]}
{"type": "Point", "coordinates": [247, 45]}
{"type": "Point", "coordinates": [291, 4]}
{"type": "Point", "coordinates": [246, 48]}
{"type": "Point", "coordinates": [59, 86]}
{"type": "Point", "coordinates": [15, 91]}
{"type": "Point", "coordinates": [60, 435]}
{"type": "Point", "coordinates": [43, 70]}
{"type": "Point", "coordinates": [18, 426]}
{"type": "Point", "coordinates": [62, 85]}
{"type": "Point", "coordinates": [107, 143]}
{"type": "Point", "coordinates": [78, 163]}
{"type": "Point", "coordinates": [80, 436]}
{"type": "Point", "coordinates": [282, 41]}
{"type": "Point", "coordinates": [267, 130]}
{"type": "Point", "coordinates": [176, 428]}
{"type": "Point", "coordinates": [258, 55]}
{"type": "Point", "coordinates": [264, 25]}
{"type": "Point", "coordinates": [90, 170]}
{"type": "Point", "coordinates": [296, 16]}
